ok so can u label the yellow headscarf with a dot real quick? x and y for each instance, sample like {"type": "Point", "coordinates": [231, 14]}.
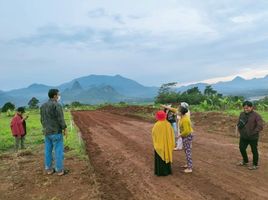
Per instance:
{"type": "Point", "coordinates": [163, 140]}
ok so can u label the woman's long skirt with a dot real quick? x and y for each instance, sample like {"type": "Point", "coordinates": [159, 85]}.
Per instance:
{"type": "Point", "coordinates": [161, 168]}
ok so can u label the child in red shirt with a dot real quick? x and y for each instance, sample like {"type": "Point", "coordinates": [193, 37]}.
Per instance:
{"type": "Point", "coordinates": [18, 127]}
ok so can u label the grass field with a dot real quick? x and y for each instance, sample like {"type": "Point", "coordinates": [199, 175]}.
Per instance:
{"type": "Point", "coordinates": [264, 114]}
{"type": "Point", "coordinates": [237, 112]}
{"type": "Point", "coordinates": [34, 135]}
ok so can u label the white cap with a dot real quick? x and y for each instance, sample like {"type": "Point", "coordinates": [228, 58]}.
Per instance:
{"type": "Point", "coordinates": [185, 105]}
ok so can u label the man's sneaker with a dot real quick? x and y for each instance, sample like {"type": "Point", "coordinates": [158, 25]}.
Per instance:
{"type": "Point", "coordinates": [63, 172]}
{"type": "Point", "coordinates": [253, 167]}
{"type": "Point", "coordinates": [242, 163]}
{"type": "Point", "coordinates": [50, 171]}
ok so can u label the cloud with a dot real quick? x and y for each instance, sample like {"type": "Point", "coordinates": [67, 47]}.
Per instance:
{"type": "Point", "coordinates": [161, 39]}
{"type": "Point", "coordinates": [159, 29]}
{"type": "Point", "coordinates": [249, 18]}
{"type": "Point", "coordinates": [102, 13]}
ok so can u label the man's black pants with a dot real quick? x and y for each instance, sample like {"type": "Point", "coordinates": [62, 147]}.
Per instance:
{"type": "Point", "coordinates": [243, 144]}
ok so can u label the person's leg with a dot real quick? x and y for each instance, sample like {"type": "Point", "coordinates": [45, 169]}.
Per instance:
{"type": "Point", "coordinates": [17, 140]}
{"type": "Point", "coordinates": [48, 152]}
{"type": "Point", "coordinates": [243, 144]}
{"type": "Point", "coordinates": [22, 142]}
{"type": "Point", "coordinates": [188, 151]}
{"type": "Point", "coordinates": [59, 152]}
{"type": "Point", "coordinates": [254, 149]}
{"type": "Point", "coordinates": [174, 126]}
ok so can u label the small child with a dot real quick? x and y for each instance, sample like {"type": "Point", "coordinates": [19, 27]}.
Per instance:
{"type": "Point", "coordinates": [18, 128]}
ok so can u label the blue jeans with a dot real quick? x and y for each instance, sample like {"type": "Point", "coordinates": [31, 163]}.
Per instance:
{"type": "Point", "coordinates": [54, 141]}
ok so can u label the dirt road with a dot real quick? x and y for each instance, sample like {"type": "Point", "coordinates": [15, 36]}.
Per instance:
{"type": "Point", "coordinates": [120, 150]}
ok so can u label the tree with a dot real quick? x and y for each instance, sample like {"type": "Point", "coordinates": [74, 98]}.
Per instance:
{"type": "Point", "coordinates": [209, 91]}
{"type": "Point", "coordinates": [193, 91]}
{"type": "Point", "coordinates": [76, 104]}
{"type": "Point", "coordinates": [33, 103]}
{"type": "Point", "coordinates": [8, 106]}
{"type": "Point", "coordinates": [166, 94]}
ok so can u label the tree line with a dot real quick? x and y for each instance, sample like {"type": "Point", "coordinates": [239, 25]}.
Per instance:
{"type": "Point", "coordinates": [209, 99]}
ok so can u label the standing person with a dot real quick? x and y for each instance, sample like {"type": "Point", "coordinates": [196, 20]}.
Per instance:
{"type": "Point", "coordinates": [54, 127]}
{"type": "Point", "coordinates": [172, 118]}
{"type": "Point", "coordinates": [18, 128]}
{"type": "Point", "coordinates": [249, 125]}
{"type": "Point", "coordinates": [163, 142]}
{"type": "Point", "coordinates": [176, 111]}
{"type": "Point", "coordinates": [186, 131]}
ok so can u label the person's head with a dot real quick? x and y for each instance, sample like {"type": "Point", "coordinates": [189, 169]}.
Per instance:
{"type": "Point", "coordinates": [248, 106]}
{"type": "Point", "coordinates": [183, 110]}
{"type": "Point", "coordinates": [160, 115]}
{"type": "Point", "coordinates": [20, 110]}
{"type": "Point", "coordinates": [54, 94]}
{"type": "Point", "coordinates": [185, 105]}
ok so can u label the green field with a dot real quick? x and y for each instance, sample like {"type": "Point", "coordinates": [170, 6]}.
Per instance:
{"type": "Point", "coordinates": [264, 114]}
{"type": "Point", "coordinates": [34, 135]}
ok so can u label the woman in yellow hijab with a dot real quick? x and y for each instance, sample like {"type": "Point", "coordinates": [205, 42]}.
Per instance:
{"type": "Point", "coordinates": [163, 141]}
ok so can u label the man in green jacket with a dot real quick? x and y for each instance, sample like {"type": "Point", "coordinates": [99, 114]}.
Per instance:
{"type": "Point", "coordinates": [250, 124]}
{"type": "Point", "coordinates": [54, 127]}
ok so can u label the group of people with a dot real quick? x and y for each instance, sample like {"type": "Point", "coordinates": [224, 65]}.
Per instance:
{"type": "Point", "coordinates": [54, 127]}
{"type": "Point", "coordinates": [172, 131]}
{"type": "Point", "coordinates": [175, 124]}
{"type": "Point", "coordinates": [172, 127]}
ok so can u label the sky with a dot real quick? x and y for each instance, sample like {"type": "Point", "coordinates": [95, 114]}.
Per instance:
{"type": "Point", "coordinates": [151, 41]}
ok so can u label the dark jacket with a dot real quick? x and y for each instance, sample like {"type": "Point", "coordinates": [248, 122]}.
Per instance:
{"type": "Point", "coordinates": [253, 125]}
{"type": "Point", "coordinates": [52, 118]}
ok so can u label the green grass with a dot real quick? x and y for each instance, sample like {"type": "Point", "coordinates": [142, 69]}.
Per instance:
{"type": "Point", "coordinates": [35, 136]}
{"type": "Point", "coordinates": [237, 113]}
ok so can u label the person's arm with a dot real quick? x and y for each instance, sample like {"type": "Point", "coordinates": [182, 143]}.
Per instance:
{"type": "Point", "coordinates": [60, 118]}
{"type": "Point", "coordinates": [259, 126]}
{"type": "Point", "coordinates": [41, 116]}
{"type": "Point", "coordinates": [174, 110]}
{"type": "Point", "coordinates": [24, 119]}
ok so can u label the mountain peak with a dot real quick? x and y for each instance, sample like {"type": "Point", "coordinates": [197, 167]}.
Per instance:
{"type": "Point", "coordinates": [238, 78]}
{"type": "Point", "coordinates": [36, 86]}
{"type": "Point", "coordinates": [76, 86]}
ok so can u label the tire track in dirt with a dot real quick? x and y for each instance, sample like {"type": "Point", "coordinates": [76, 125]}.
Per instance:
{"type": "Point", "coordinates": [121, 152]}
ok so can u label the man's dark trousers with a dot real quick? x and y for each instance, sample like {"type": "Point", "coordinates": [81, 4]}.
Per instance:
{"type": "Point", "coordinates": [243, 144]}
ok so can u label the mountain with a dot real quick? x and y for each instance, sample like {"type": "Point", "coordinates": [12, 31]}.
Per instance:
{"type": "Point", "coordinates": [252, 88]}
{"type": "Point", "coordinates": [124, 86]}
{"type": "Point", "coordinates": [93, 89]}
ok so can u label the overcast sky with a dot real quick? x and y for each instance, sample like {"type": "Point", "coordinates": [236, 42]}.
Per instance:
{"type": "Point", "coordinates": [150, 41]}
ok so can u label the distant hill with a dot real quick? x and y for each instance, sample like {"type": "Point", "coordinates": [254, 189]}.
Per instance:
{"type": "Point", "coordinates": [96, 89]}
{"type": "Point", "coordinates": [93, 89]}
{"type": "Point", "coordinates": [256, 87]}
{"type": "Point", "coordinates": [124, 86]}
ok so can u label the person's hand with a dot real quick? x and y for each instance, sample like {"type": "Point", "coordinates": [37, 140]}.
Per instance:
{"type": "Point", "coordinates": [236, 132]}
{"type": "Point", "coordinates": [65, 132]}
